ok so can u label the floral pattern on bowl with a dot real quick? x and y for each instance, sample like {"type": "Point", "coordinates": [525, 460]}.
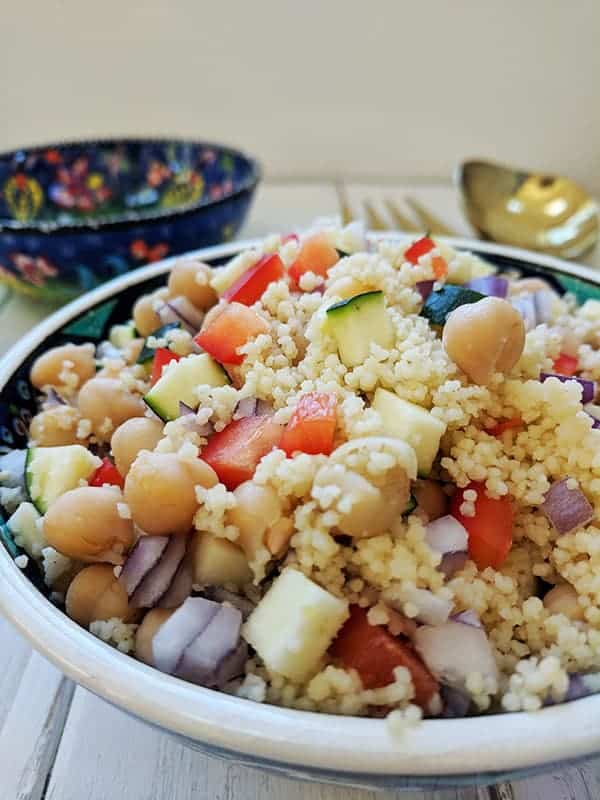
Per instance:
{"type": "Point", "coordinates": [75, 215]}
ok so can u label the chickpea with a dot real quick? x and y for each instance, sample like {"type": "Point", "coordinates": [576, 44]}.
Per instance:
{"type": "Point", "coordinates": [55, 426]}
{"type": "Point", "coordinates": [278, 536]}
{"type": "Point", "coordinates": [47, 369]}
{"type": "Point", "coordinates": [133, 436]}
{"type": "Point", "coordinates": [374, 508]}
{"type": "Point", "coordinates": [107, 398]}
{"type": "Point", "coordinates": [96, 594]}
{"type": "Point", "coordinates": [150, 626]}
{"type": "Point", "coordinates": [431, 499]}
{"type": "Point", "coordinates": [191, 279]}
{"type": "Point", "coordinates": [159, 490]}
{"type": "Point", "coordinates": [258, 508]}
{"type": "Point", "coordinates": [85, 524]}
{"type": "Point", "coordinates": [484, 337]}
{"type": "Point", "coordinates": [562, 599]}
{"type": "Point", "coordinates": [145, 318]}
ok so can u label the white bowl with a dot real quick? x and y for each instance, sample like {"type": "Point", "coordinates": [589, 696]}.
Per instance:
{"type": "Point", "coordinates": [315, 746]}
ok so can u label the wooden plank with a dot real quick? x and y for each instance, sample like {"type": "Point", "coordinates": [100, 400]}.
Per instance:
{"type": "Point", "coordinates": [14, 655]}
{"type": "Point", "coordinates": [104, 753]}
{"type": "Point", "coordinates": [32, 730]}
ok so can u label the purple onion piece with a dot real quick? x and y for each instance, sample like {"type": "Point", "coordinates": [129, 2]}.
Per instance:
{"type": "Point", "coordinates": [577, 687]}
{"type": "Point", "coordinates": [424, 288]}
{"type": "Point", "coordinates": [566, 509]}
{"type": "Point", "coordinates": [490, 285]}
{"type": "Point", "coordinates": [180, 630]}
{"type": "Point", "coordinates": [525, 305]}
{"type": "Point", "coordinates": [186, 313]}
{"type": "Point", "coordinates": [452, 651]}
{"type": "Point", "coordinates": [220, 595]}
{"type": "Point", "coordinates": [185, 410]}
{"type": "Point", "coordinates": [232, 665]}
{"type": "Point", "coordinates": [203, 657]}
{"type": "Point", "coordinates": [431, 609]}
{"type": "Point", "coordinates": [191, 423]}
{"type": "Point", "coordinates": [246, 407]}
{"type": "Point", "coordinates": [595, 420]}
{"type": "Point", "coordinates": [588, 388]}
{"type": "Point", "coordinates": [263, 408]}
{"type": "Point", "coordinates": [144, 557]}
{"type": "Point", "coordinates": [446, 535]}
{"type": "Point", "coordinates": [468, 617]}
{"type": "Point", "coordinates": [456, 702]}
{"type": "Point", "coordinates": [158, 580]}
{"type": "Point", "coordinates": [543, 300]}
{"type": "Point", "coordinates": [53, 398]}
{"type": "Point", "coordinates": [452, 563]}
{"type": "Point", "coordinates": [180, 588]}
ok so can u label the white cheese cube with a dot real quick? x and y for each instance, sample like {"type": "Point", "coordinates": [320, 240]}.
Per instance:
{"type": "Point", "coordinates": [294, 624]}
{"type": "Point", "coordinates": [25, 530]}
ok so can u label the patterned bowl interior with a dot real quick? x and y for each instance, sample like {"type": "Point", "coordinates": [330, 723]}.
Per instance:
{"type": "Point", "coordinates": [108, 181]}
{"type": "Point", "coordinates": [18, 398]}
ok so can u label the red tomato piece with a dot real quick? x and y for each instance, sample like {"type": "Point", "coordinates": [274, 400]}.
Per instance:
{"type": "Point", "coordinates": [316, 255]}
{"type": "Point", "coordinates": [250, 286]}
{"type": "Point", "coordinates": [229, 329]}
{"type": "Point", "coordinates": [374, 653]}
{"type": "Point", "coordinates": [235, 451]}
{"type": "Point", "coordinates": [490, 530]}
{"type": "Point", "coordinates": [107, 473]}
{"type": "Point", "coordinates": [505, 425]}
{"type": "Point", "coordinates": [418, 249]}
{"type": "Point", "coordinates": [565, 365]}
{"type": "Point", "coordinates": [162, 356]}
{"type": "Point", "coordinates": [312, 425]}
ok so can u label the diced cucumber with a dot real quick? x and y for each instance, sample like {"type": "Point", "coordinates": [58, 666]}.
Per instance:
{"type": "Point", "coordinates": [25, 530]}
{"type": "Point", "coordinates": [415, 425]}
{"type": "Point", "coordinates": [121, 335]}
{"type": "Point", "coordinates": [440, 304]}
{"type": "Point", "coordinates": [147, 352]}
{"type": "Point", "coordinates": [358, 322]}
{"type": "Point", "coordinates": [179, 382]}
{"type": "Point", "coordinates": [52, 471]}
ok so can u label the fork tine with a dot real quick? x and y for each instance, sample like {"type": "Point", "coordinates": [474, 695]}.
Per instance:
{"type": "Point", "coordinates": [403, 222]}
{"type": "Point", "coordinates": [430, 222]}
{"type": "Point", "coordinates": [345, 210]}
{"type": "Point", "coordinates": [374, 220]}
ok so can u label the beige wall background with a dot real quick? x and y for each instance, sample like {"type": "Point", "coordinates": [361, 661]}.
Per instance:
{"type": "Point", "coordinates": [361, 89]}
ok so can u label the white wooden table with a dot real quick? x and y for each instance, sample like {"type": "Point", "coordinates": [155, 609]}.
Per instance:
{"type": "Point", "coordinates": [59, 742]}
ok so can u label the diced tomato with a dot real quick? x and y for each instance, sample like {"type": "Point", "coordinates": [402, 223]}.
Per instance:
{"type": "Point", "coordinates": [291, 237]}
{"type": "Point", "coordinates": [250, 286]}
{"type": "Point", "coordinates": [440, 267]}
{"type": "Point", "coordinates": [418, 249]}
{"type": "Point", "coordinates": [490, 530]}
{"type": "Point", "coordinates": [316, 255]}
{"type": "Point", "coordinates": [312, 425]}
{"type": "Point", "coordinates": [565, 365]}
{"type": "Point", "coordinates": [235, 451]}
{"type": "Point", "coordinates": [506, 425]}
{"type": "Point", "coordinates": [162, 356]}
{"type": "Point", "coordinates": [374, 653]}
{"type": "Point", "coordinates": [107, 473]}
{"type": "Point", "coordinates": [231, 328]}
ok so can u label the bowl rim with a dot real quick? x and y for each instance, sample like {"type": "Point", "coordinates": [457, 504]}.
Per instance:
{"type": "Point", "coordinates": [297, 742]}
{"type": "Point", "coordinates": [125, 219]}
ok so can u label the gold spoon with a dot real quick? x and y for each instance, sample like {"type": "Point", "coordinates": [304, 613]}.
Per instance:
{"type": "Point", "coordinates": [535, 211]}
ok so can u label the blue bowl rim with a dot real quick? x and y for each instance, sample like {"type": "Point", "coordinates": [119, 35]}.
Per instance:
{"type": "Point", "coordinates": [126, 219]}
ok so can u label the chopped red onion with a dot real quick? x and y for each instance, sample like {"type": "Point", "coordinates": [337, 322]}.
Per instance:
{"type": "Point", "coordinates": [205, 654]}
{"type": "Point", "coordinates": [246, 407]}
{"type": "Point", "coordinates": [468, 617]}
{"type": "Point", "coordinates": [188, 415]}
{"type": "Point", "coordinates": [179, 309]}
{"type": "Point", "coordinates": [144, 557]}
{"type": "Point", "coordinates": [452, 563]}
{"type": "Point", "coordinates": [180, 630]}
{"type": "Point", "coordinates": [525, 305]}
{"type": "Point", "coordinates": [424, 288]}
{"type": "Point", "coordinates": [490, 285]}
{"type": "Point", "coordinates": [453, 650]}
{"type": "Point", "coordinates": [159, 579]}
{"type": "Point", "coordinates": [447, 535]}
{"type": "Point", "coordinates": [588, 388]}
{"type": "Point", "coordinates": [543, 300]}
{"type": "Point", "coordinates": [263, 408]}
{"type": "Point", "coordinates": [180, 588]}
{"type": "Point", "coordinates": [456, 702]}
{"type": "Point", "coordinates": [566, 509]}
{"type": "Point", "coordinates": [232, 665]}
{"type": "Point", "coordinates": [53, 398]}
{"type": "Point", "coordinates": [432, 610]}
{"type": "Point", "coordinates": [185, 410]}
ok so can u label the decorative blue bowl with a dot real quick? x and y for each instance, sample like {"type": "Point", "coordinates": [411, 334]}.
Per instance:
{"type": "Point", "coordinates": [77, 214]}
